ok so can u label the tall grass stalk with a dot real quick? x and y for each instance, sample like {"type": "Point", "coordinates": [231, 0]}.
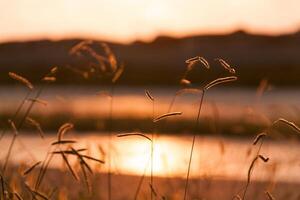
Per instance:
{"type": "Point", "coordinates": [151, 98]}
{"type": "Point", "coordinates": [152, 150]}
{"type": "Point", "coordinates": [18, 128]}
{"type": "Point", "coordinates": [109, 171]}
{"type": "Point", "coordinates": [2, 187]}
{"type": "Point", "coordinates": [16, 113]}
{"type": "Point", "coordinates": [43, 169]}
{"type": "Point", "coordinates": [205, 88]}
{"type": "Point", "coordinates": [193, 144]}
{"type": "Point", "coordinates": [20, 124]}
{"type": "Point", "coordinates": [146, 167]}
{"type": "Point", "coordinates": [261, 137]}
{"type": "Point", "coordinates": [141, 181]}
{"type": "Point", "coordinates": [251, 168]}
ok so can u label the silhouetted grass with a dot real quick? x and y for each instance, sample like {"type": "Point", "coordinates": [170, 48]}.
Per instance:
{"type": "Point", "coordinates": [39, 181]}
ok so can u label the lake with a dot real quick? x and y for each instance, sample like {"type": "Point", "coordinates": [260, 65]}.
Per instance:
{"type": "Point", "coordinates": [215, 156]}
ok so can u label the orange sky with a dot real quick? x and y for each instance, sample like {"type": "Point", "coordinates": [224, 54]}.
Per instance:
{"type": "Point", "coordinates": [128, 20]}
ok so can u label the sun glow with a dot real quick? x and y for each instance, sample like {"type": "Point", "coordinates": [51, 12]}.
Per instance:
{"type": "Point", "coordinates": [139, 158]}
{"type": "Point", "coordinates": [155, 12]}
{"type": "Point", "coordinates": [129, 20]}
{"type": "Point", "coordinates": [136, 156]}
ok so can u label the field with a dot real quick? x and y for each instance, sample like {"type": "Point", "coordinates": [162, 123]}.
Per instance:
{"type": "Point", "coordinates": [198, 140]}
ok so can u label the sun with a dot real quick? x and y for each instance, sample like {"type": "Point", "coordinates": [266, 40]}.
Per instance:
{"type": "Point", "coordinates": [155, 12]}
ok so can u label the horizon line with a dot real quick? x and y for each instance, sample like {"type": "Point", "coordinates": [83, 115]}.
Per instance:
{"type": "Point", "coordinates": [140, 40]}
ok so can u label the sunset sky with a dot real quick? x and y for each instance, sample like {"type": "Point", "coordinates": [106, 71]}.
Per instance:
{"type": "Point", "coordinates": [129, 20]}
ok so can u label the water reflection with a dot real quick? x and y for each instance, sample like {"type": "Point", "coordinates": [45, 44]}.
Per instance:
{"type": "Point", "coordinates": [231, 103]}
{"type": "Point", "coordinates": [214, 157]}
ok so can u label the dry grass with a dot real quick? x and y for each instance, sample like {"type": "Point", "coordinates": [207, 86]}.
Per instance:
{"type": "Point", "coordinates": [166, 115]}
{"type": "Point", "coordinates": [36, 124]}
{"type": "Point", "coordinates": [21, 79]}
{"type": "Point", "coordinates": [29, 183]}
{"type": "Point", "coordinates": [226, 65]}
{"type": "Point", "coordinates": [135, 134]}
{"type": "Point", "coordinates": [31, 168]}
{"type": "Point", "coordinates": [206, 87]}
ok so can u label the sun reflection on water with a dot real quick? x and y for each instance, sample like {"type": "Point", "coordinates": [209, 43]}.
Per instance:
{"type": "Point", "coordinates": [214, 157]}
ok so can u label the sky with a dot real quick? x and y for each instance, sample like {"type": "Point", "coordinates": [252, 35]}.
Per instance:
{"type": "Point", "coordinates": [129, 20]}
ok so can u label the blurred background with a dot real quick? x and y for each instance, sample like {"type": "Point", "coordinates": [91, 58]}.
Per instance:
{"type": "Point", "coordinates": [152, 40]}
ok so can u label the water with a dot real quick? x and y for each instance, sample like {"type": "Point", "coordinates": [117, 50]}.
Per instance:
{"type": "Point", "coordinates": [214, 157]}
{"type": "Point", "coordinates": [131, 102]}
{"type": "Point", "coordinates": [217, 157]}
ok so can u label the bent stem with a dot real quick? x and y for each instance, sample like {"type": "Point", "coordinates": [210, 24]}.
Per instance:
{"type": "Point", "coordinates": [250, 171]}
{"type": "Point", "coordinates": [141, 181]}
{"type": "Point", "coordinates": [16, 113]}
{"type": "Point", "coordinates": [109, 142]}
{"type": "Point", "coordinates": [18, 128]}
{"type": "Point", "coordinates": [152, 149]}
{"type": "Point", "coordinates": [193, 144]}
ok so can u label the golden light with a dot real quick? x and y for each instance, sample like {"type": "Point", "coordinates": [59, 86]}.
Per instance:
{"type": "Point", "coordinates": [139, 161]}
{"type": "Point", "coordinates": [155, 12]}
{"type": "Point", "coordinates": [129, 20]}
{"type": "Point", "coordinates": [138, 158]}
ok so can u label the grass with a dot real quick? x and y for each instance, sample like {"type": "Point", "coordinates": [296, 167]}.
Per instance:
{"type": "Point", "coordinates": [34, 181]}
{"type": "Point", "coordinates": [205, 88]}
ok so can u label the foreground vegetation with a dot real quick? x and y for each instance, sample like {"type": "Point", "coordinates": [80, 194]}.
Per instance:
{"type": "Point", "coordinates": [37, 181]}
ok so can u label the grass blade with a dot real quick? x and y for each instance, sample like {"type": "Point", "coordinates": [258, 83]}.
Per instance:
{"type": "Point", "coordinates": [188, 91]}
{"type": "Point", "coordinates": [118, 73]}
{"type": "Point", "coordinates": [82, 161]}
{"type": "Point", "coordinates": [37, 125]}
{"type": "Point", "coordinates": [21, 79]}
{"type": "Point", "coordinates": [30, 169]}
{"type": "Point", "coordinates": [148, 94]}
{"type": "Point", "coordinates": [134, 134]}
{"type": "Point", "coordinates": [69, 166]}
{"type": "Point", "coordinates": [226, 65]}
{"type": "Point", "coordinates": [94, 159]}
{"type": "Point", "coordinates": [259, 137]}
{"type": "Point", "coordinates": [13, 126]}
{"type": "Point", "coordinates": [185, 82]}
{"type": "Point", "coordinates": [166, 115]}
{"type": "Point", "coordinates": [220, 81]}
{"type": "Point", "coordinates": [2, 187]}
{"type": "Point", "coordinates": [269, 195]}
{"type": "Point", "coordinates": [193, 60]}
{"type": "Point", "coordinates": [68, 151]}
{"type": "Point", "coordinates": [250, 171]}
{"type": "Point", "coordinates": [63, 129]}
{"type": "Point", "coordinates": [289, 123]}
{"type": "Point", "coordinates": [63, 142]}
{"type": "Point", "coordinates": [49, 79]}
{"type": "Point", "coordinates": [18, 196]}
{"type": "Point", "coordinates": [37, 100]}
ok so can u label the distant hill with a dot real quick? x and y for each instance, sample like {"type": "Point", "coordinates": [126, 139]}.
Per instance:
{"type": "Point", "coordinates": [255, 57]}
